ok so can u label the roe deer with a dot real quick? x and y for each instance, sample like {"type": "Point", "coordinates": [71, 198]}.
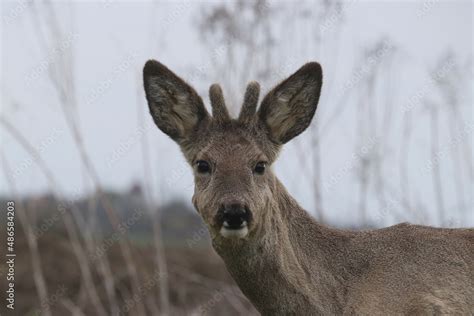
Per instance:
{"type": "Point", "coordinates": [282, 259]}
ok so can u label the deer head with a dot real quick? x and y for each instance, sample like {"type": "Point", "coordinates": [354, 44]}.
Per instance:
{"type": "Point", "coordinates": [232, 158]}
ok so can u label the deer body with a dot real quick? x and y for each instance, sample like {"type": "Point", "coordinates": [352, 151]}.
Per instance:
{"type": "Point", "coordinates": [285, 262]}
{"type": "Point", "coordinates": [309, 269]}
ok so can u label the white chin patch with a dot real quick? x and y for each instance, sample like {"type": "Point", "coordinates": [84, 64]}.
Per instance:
{"type": "Point", "coordinates": [234, 233]}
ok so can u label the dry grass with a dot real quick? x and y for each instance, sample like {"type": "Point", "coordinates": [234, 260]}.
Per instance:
{"type": "Point", "coordinates": [198, 281]}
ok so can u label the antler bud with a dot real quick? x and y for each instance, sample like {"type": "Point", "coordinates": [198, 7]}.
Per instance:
{"type": "Point", "coordinates": [249, 107]}
{"type": "Point", "coordinates": [219, 109]}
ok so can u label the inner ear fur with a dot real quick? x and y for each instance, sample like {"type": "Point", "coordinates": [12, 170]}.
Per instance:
{"type": "Point", "coordinates": [287, 110]}
{"type": "Point", "coordinates": [174, 105]}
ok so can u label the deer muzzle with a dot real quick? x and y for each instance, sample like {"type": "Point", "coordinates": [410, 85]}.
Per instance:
{"type": "Point", "coordinates": [234, 220]}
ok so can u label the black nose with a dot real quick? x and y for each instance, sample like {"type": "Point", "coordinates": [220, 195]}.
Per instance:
{"type": "Point", "coordinates": [234, 216]}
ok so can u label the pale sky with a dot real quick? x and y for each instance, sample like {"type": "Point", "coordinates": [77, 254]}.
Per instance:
{"type": "Point", "coordinates": [111, 40]}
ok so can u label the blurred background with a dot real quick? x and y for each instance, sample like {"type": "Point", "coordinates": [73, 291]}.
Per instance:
{"type": "Point", "coordinates": [104, 221]}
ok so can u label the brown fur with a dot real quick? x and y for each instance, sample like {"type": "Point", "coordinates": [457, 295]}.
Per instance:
{"type": "Point", "coordinates": [288, 264]}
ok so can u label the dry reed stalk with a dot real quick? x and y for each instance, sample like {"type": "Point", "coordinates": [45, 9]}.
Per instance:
{"type": "Point", "coordinates": [62, 80]}
{"type": "Point", "coordinates": [160, 255]}
{"type": "Point", "coordinates": [80, 254]}
{"type": "Point", "coordinates": [38, 275]}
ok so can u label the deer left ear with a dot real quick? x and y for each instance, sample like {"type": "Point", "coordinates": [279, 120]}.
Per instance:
{"type": "Point", "coordinates": [288, 109]}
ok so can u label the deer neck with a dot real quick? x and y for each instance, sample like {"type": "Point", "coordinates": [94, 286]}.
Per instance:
{"type": "Point", "coordinates": [290, 264]}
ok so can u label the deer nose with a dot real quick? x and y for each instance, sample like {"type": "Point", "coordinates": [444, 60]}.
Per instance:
{"type": "Point", "coordinates": [234, 216]}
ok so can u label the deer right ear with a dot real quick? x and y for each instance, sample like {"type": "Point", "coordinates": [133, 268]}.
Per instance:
{"type": "Point", "coordinates": [288, 109]}
{"type": "Point", "coordinates": [175, 106]}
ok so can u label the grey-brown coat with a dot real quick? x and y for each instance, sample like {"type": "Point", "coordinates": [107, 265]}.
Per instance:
{"type": "Point", "coordinates": [283, 260]}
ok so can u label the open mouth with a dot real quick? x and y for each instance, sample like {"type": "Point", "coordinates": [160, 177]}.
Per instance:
{"type": "Point", "coordinates": [234, 231]}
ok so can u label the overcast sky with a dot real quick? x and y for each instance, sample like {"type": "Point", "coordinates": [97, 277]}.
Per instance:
{"type": "Point", "coordinates": [111, 41]}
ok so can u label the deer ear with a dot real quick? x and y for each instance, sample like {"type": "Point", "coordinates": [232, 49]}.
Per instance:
{"type": "Point", "coordinates": [288, 109]}
{"type": "Point", "coordinates": [175, 106]}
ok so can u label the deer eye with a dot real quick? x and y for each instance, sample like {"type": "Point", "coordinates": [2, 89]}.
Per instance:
{"type": "Point", "coordinates": [203, 166]}
{"type": "Point", "coordinates": [260, 167]}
